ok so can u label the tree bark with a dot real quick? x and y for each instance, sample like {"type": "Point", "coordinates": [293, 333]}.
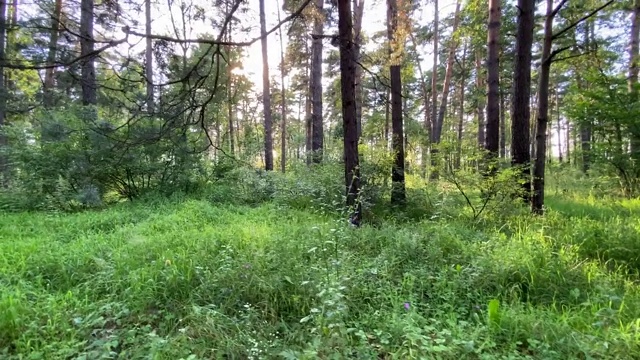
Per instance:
{"type": "Point", "coordinates": [503, 126]}
{"type": "Point", "coordinates": [463, 79]}
{"type": "Point", "coordinates": [537, 202]}
{"type": "Point", "coordinates": [480, 101]}
{"type": "Point", "coordinates": [307, 110]}
{"type": "Point", "coordinates": [266, 93]}
{"type": "Point", "coordinates": [316, 83]}
{"type": "Point", "coordinates": [4, 166]}
{"type": "Point", "coordinates": [283, 123]}
{"type": "Point", "coordinates": [427, 111]}
{"type": "Point", "coordinates": [520, 153]}
{"type": "Point", "coordinates": [49, 75]}
{"type": "Point", "coordinates": [633, 74]}
{"type": "Point", "coordinates": [585, 127]}
{"type": "Point", "coordinates": [88, 77]}
{"type": "Point", "coordinates": [349, 124]}
{"type": "Point", "coordinates": [434, 94]}
{"type": "Point", "coordinates": [149, 57]}
{"type": "Point", "coordinates": [358, 10]}
{"type": "Point", "coordinates": [492, 141]}
{"type": "Point", "coordinates": [398, 195]}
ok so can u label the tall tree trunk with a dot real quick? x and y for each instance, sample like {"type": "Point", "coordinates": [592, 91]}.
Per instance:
{"type": "Point", "coordinates": [89, 90]}
{"type": "Point", "coordinates": [49, 75]}
{"type": "Point", "coordinates": [480, 104]}
{"type": "Point", "coordinates": [398, 195]}
{"type": "Point", "coordinates": [266, 93]}
{"type": "Point", "coordinates": [557, 103]}
{"type": "Point", "coordinates": [463, 79]}
{"type": "Point", "coordinates": [230, 79]}
{"type": "Point", "coordinates": [283, 123]}
{"type": "Point", "coordinates": [633, 74]}
{"type": "Point", "coordinates": [520, 153]}
{"type": "Point", "coordinates": [149, 57]}
{"type": "Point", "coordinates": [349, 123]}
{"type": "Point", "coordinates": [387, 118]}
{"type": "Point", "coordinates": [480, 100]}
{"type": "Point", "coordinates": [316, 83]}
{"type": "Point", "coordinates": [568, 139]}
{"type": "Point", "coordinates": [4, 166]}
{"type": "Point", "coordinates": [537, 202]}
{"type": "Point", "coordinates": [434, 93]}
{"type": "Point", "coordinates": [358, 10]}
{"type": "Point", "coordinates": [585, 127]}
{"type": "Point", "coordinates": [307, 110]}
{"type": "Point", "coordinates": [503, 126]}
{"type": "Point", "coordinates": [492, 141]}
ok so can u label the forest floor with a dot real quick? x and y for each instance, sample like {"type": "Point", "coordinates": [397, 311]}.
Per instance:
{"type": "Point", "coordinates": [198, 279]}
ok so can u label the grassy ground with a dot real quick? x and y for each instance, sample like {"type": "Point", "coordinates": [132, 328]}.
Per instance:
{"type": "Point", "coordinates": [193, 279]}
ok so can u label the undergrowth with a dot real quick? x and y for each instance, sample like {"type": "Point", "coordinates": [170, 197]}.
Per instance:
{"type": "Point", "coordinates": [263, 266]}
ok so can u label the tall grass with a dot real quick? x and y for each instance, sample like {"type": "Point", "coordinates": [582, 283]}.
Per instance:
{"type": "Point", "coordinates": [220, 276]}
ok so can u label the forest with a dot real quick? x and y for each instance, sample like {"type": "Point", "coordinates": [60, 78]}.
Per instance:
{"type": "Point", "coordinates": [319, 179]}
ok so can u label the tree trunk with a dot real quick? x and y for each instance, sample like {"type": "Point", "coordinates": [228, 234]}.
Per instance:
{"type": "Point", "coordinates": [307, 110]}
{"type": "Point", "coordinates": [537, 202]}
{"type": "Point", "coordinates": [480, 101]}
{"type": "Point", "coordinates": [463, 79]}
{"type": "Point", "coordinates": [316, 83]}
{"type": "Point", "coordinates": [349, 123]}
{"type": "Point", "coordinates": [434, 93]}
{"type": "Point", "coordinates": [49, 75]}
{"type": "Point", "coordinates": [266, 93]}
{"type": "Point", "coordinates": [585, 128]}
{"type": "Point", "coordinates": [358, 10]}
{"type": "Point", "coordinates": [387, 118]}
{"type": "Point", "coordinates": [283, 124]}
{"type": "Point", "coordinates": [560, 157]}
{"type": "Point", "coordinates": [520, 153]}
{"type": "Point", "coordinates": [4, 166]}
{"type": "Point", "coordinates": [89, 90]}
{"type": "Point", "coordinates": [633, 74]}
{"type": "Point", "coordinates": [503, 126]}
{"type": "Point", "coordinates": [398, 195]}
{"type": "Point", "coordinates": [492, 141]}
{"type": "Point", "coordinates": [149, 57]}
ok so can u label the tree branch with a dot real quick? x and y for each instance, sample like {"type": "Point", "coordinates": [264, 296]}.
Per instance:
{"type": "Point", "coordinates": [586, 17]}
{"type": "Point", "coordinates": [218, 41]}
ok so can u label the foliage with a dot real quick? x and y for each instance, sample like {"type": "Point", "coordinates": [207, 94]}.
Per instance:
{"type": "Point", "coordinates": [210, 278]}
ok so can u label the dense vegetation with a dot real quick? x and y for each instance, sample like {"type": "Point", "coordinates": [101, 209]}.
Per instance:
{"type": "Point", "coordinates": [461, 182]}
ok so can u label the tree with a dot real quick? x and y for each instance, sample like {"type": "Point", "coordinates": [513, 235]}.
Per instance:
{"type": "Point", "coordinates": [434, 92]}
{"type": "Point", "coordinates": [148, 56]}
{"type": "Point", "coordinates": [266, 94]}
{"type": "Point", "coordinates": [89, 85]}
{"type": "Point", "coordinates": [4, 166]}
{"type": "Point", "coordinates": [520, 154]}
{"type": "Point", "coordinates": [317, 122]}
{"type": "Point", "coordinates": [358, 10]}
{"type": "Point", "coordinates": [49, 77]}
{"type": "Point", "coordinates": [634, 49]}
{"type": "Point", "coordinates": [283, 121]}
{"type": "Point", "coordinates": [396, 42]}
{"type": "Point", "coordinates": [349, 121]}
{"type": "Point", "coordinates": [492, 141]}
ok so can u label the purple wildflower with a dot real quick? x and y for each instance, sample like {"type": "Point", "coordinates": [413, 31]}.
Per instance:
{"type": "Point", "coordinates": [407, 306]}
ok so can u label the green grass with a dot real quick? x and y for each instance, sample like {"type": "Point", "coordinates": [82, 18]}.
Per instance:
{"type": "Point", "coordinates": [189, 279]}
